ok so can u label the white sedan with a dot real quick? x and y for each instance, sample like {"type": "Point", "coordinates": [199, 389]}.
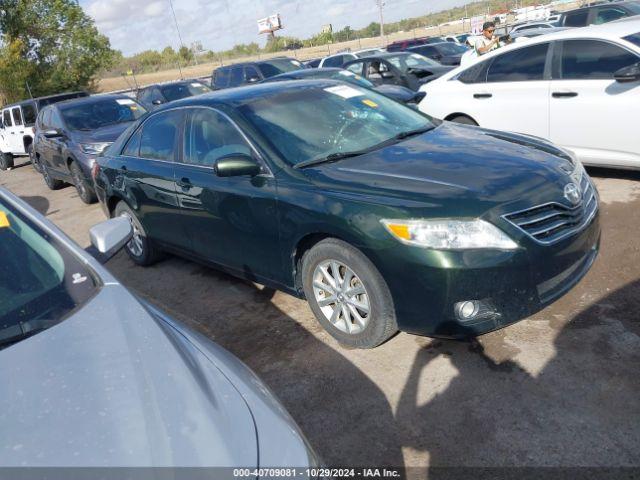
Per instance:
{"type": "Point", "coordinates": [578, 88]}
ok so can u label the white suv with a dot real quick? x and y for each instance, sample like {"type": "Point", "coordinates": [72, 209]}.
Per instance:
{"type": "Point", "coordinates": [17, 125]}
{"type": "Point", "coordinates": [578, 88]}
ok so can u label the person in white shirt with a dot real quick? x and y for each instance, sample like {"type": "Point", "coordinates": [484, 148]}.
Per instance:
{"type": "Point", "coordinates": [487, 41]}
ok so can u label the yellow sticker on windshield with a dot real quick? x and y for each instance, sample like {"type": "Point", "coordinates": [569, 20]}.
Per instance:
{"type": "Point", "coordinates": [370, 103]}
{"type": "Point", "coordinates": [4, 220]}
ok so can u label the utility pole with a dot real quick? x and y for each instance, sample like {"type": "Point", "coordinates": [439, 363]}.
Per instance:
{"type": "Point", "coordinates": [179, 37]}
{"type": "Point", "coordinates": [380, 4]}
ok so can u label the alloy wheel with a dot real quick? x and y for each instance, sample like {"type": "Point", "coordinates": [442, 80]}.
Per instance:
{"type": "Point", "coordinates": [341, 296]}
{"type": "Point", "coordinates": [135, 245]}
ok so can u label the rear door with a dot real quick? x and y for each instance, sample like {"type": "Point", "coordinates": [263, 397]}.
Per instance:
{"type": "Point", "coordinates": [17, 132]}
{"type": "Point", "coordinates": [590, 112]}
{"type": "Point", "coordinates": [145, 172]}
{"type": "Point", "coordinates": [7, 124]}
{"type": "Point", "coordinates": [56, 145]}
{"type": "Point", "coordinates": [230, 221]}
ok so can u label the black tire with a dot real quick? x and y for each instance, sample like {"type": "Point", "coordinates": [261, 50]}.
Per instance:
{"type": "Point", "coordinates": [52, 183]}
{"type": "Point", "coordinates": [381, 319]}
{"type": "Point", "coordinates": [6, 161]}
{"type": "Point", "coordinates": [463, 119]}
{"type": "Point", "coordinates": [34, 158]}
{"type": "Point", "coordinates": [149, 253]}
{"type": "Point", "coordinates": [85, 190]}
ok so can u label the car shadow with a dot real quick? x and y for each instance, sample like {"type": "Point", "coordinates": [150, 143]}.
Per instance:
{"type": "Point", "coordinates": [41, 204]}
{"type": "Point", "coordinates": [343, 413]}
{"type": "Point", "coordinates": [579, 408]}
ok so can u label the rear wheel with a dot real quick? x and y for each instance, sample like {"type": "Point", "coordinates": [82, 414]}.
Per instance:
{"type": "Point", "coordinates": [6, 161]}
{"type": "Point", "coordinates": [52, 183]}
{"type": "Point", "coordinates": [463, 119]}
{"type": "Point", "coordinates": [85, 191]}
{"type": "Point", "coordinates": [348, 295]}
{"type": "Point", "coordinates": [140, 248]}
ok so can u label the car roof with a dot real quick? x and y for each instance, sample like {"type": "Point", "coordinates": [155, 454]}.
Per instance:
{"type": "Point", "coordinates": [174, 82]}
{"type": "Point", "coordinates": [240, 95]}
{"type": "Point", "coordinates": [598, 4]}
{"type": "Point", "coordinates": [89, 100]}
{"type": "Point", "coordinates": [46, 97]}
{"type": "Point", "coordinates": [306, 72]}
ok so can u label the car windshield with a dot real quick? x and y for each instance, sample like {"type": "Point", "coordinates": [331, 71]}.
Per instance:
{"type": "Point", "coordinates": [177, 91]}
{"type": "Point", "coordinates": [101, 113]}
{"type": "Point", "coordinates": [41, 281]}
{"type": "Point", "coordinates": [344, 119]}
{"type": "Point", "coordinates": [634, 7]}
{"type": "Point", "coordinates": [413, 60]}
{"type": "Point", "coordinates": [276, 67]}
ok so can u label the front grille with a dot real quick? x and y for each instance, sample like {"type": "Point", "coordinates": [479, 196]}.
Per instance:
{"type": "Point", "coordinates": [552, 222]}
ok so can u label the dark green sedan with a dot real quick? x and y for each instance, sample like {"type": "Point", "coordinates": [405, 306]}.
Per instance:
{"type": "Point", "coordinates": [381, 217]}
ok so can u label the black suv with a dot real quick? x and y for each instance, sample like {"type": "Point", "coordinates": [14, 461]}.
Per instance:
{"type": "Point", "coordinates": [152, 96]}
{"type": "Point", "coordinates": [70, 135]}
{"type": "Point", "coordinates": [597, 14]}
{"type": "Point", "coordinates": [252, 72]}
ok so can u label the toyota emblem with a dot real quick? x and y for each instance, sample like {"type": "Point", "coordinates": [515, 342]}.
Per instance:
{"type": "Point", "coordinates": [572, 193]}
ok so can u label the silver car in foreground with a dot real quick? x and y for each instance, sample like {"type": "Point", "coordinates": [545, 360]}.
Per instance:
{"type": "Point", "coordinates": [92, 376]}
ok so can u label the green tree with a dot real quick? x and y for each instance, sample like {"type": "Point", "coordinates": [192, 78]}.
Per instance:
{"type": "Point", "coordinates": [52, 44]}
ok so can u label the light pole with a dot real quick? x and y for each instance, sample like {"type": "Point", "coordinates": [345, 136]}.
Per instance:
{"type": "Point", "coordinates": [380, 4]}
{"type": "Point", "coordinates": [179, 37]}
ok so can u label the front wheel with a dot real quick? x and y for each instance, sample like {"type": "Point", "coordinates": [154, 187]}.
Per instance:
{"type": "Point", "coordinates": [140, 248]}
{"type": "Point", "coordinates": [6, 161]}
{"type": "Point", "coordinates": [85, 190]}
{"type": "Point", "coordinates": [52, 183]}
{"type": "Point", "coordinates": [348, 295]}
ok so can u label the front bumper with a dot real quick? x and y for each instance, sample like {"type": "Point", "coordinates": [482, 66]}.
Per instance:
{"type": "Point", "coordinates": [511, 285]}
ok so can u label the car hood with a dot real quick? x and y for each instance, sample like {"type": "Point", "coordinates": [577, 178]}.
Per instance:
{"type": "Point", "coordinates": [450, 165]}
{"type": "Point", "coordinates": [113, 386]}
{"type": "Point", "coordinates": [397, 92]}
{"type": "Point", "coordinates": [105, 134]}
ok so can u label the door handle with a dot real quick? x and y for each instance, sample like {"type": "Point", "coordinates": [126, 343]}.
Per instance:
{"type": "Point", "coordinates": [482, 95]}
{"type": "Point", "coordinates": [184, 183]}
{"type": "Point", "coordinates": [564, 94]}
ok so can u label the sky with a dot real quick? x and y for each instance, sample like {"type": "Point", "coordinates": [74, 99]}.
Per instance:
{"type": "Point", "coordinates": [137, 25]}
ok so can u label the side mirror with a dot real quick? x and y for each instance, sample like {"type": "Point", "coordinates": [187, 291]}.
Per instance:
{"type": "Point", "coordinates": [108, 237]}
{"type": "Point", "coordinates": [253, 79]}
{"type": "Point", "coordinates": [630, 73]}
{"type": "Point", "coordinates": [53, 133]}
{"type": "Point", "coordinates": [237, 165]}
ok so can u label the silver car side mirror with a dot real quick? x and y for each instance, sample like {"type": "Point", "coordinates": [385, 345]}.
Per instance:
{"type": "Point", "coordinates": [110, 236]}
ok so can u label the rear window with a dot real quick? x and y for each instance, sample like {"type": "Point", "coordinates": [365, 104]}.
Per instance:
{"type": "Point", "coordinates": [276, 67]}
{"type": "Point", "coordinates": [41, 281]}
{"type": "Point", "coordinates": [30, 114]}
{"type": "Point", "coordinates": [635, 39]}
{"type": "Point", "coordinates": [576, 19]}
{"type": "Point", "coordinates": [183, 90]}
{"type": "Point", "coordinates": [221, 78]}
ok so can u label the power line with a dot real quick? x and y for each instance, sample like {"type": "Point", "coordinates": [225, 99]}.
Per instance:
{"type": "Point", "coordinates": [380, 4]}
{"type": "Point", "coordinates": [175, 19]}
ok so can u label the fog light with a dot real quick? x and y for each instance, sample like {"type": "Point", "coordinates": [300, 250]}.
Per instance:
{"type": "Point", "coordinates": [467, 310]}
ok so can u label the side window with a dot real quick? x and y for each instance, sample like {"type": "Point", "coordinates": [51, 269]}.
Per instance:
{"type": "Point", "coordinates": [29, 112]}
{"type": "Point", "coordinates": [576, 19]}
{"type": "Point", "coordinates": [209, 136]}
{"type": "Point", "coordinates": [133, 145]}
{"type": "Point", "coordinates": [355, 68]}
{"type": "Point", "coordinates": [608, 14]}
{"type": "Point", "coordinates": [524, 64]}
{"type": "Point", "coordinates": [593, 60]}
{"type": "Point", "coordinates": [17, 116]}
{"type": "Point", "coordinates": [159, 135]}
{"type": "Point", "coordinates": [45, 119]}
{"type": "Point", "coordinates": [251, 72]}
{"type": "Point", "coordinates": [336, 61]}
{"type": "Point", "coordinates": [55, 121]}
{"type": "Point", "coordinates": [237, 76]}
{"type": "Point", "coordinates": [475, 74]}
{"type": "Point", "coordinates": [6, 118]}
{"type": "Point", "coordinates": [221, 78]}
{"type": "Point", "coordinates": [144, 96]}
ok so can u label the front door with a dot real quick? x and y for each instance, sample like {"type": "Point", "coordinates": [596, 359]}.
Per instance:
{"type": "Point", "coordinates": [145, 175]}
{"type": "Point", "coordinates": [231, 221]}
{"type": "Point", "coordinates": [17, 132]}
{"type": "Point", "coordinates": [591, 113]}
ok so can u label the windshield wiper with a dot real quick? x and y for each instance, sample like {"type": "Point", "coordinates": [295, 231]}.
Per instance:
{"type": "Point", "coordinates": [412, 133]}
{"type": "Point", "coordinates": [330, 158]}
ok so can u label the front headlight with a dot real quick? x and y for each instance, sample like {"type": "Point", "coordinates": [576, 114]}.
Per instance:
{"type": "Point", "coordinates": [94, 148]}
{"type": "Point", "coordinates": [449, 234]}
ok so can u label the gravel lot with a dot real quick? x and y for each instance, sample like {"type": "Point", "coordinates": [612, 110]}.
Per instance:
{"type": "Point", "coordinates": [558, 389]}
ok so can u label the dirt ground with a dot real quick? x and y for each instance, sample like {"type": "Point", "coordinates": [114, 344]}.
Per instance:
{"type": "Point", "coordinates": [560, 389]}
